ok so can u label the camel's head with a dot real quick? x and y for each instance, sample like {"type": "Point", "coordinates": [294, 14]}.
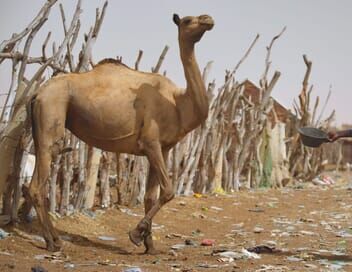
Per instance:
{"type": "Point", "coordinates": [192, 28]}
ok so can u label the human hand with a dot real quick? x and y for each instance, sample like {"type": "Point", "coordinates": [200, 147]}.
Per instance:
{"type": "Point", "coordinates": [333, 136]}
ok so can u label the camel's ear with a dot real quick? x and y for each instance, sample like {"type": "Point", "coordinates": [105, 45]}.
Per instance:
{"type": "Point", "coordinates": [176, 19]}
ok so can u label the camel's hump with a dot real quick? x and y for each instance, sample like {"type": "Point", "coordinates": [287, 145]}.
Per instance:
{"type": "Point", "coordinates": [111, 61]}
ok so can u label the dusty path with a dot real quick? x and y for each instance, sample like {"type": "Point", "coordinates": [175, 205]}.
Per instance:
{"type": "Point", "coordinates": [310, 228]}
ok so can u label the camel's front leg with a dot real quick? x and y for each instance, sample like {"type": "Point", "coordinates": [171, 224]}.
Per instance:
{"type": "Point", "coordinates": [158, 176]}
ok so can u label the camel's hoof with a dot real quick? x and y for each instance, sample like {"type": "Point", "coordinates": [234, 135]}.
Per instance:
{"type": "Point", "coordinates": [54, 246]}
{"type": "Point", "coordinates": [152, 251]}
{"type": "Point", "coordinates": [135, 237]}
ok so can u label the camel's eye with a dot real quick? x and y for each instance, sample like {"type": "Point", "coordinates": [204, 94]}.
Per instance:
{"type": "Point", "coordinates": [187, 21]}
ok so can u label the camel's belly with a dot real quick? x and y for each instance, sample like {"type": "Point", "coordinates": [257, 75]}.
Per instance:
{"type": "Point", "coordinates": [111, 128]}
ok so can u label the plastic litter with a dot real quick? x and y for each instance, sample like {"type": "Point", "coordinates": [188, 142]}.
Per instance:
{"type": "Point", "coordinates": [250, 255]}
{"type": "Point", "coordinates": [197, 195]}
{"type": "Point", "coordinates": [216, 208]}
{"type": "Point", "coordinates": [106, 238]}
{"type": "Point", "coordinates": [208, 242]}
{"type": "Point", "coordinates": [178, 246]}
{"type": "Point", "coordinates": [190, 242]}
{"type": "Point", "coordinates": [89, 213]}
{"type": "Point", "coordinates": [261, 249]}
{"type": "Point", "coordinates": [133, 269]}
{"type": "Point", "coordinates": [3, 234]}
{"type": "Point", "coordinates": [323, 180]}
{"type": "Point", "coordinates": [38, 268]}
{"type": "Point", "coordinates": [69, 266]}
{"type": "Point", "coordinates": [258, 230]}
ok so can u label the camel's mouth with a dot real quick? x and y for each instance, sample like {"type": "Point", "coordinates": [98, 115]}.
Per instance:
{"type": "Point", "coordinates": [208, 22]}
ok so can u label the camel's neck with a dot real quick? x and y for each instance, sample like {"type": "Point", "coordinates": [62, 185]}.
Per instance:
{"type": "Point", "coordinates": [195, 97]}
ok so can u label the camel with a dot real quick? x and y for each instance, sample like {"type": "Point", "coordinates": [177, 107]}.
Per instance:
{"type": "Point", "coordinates": [118, 109]}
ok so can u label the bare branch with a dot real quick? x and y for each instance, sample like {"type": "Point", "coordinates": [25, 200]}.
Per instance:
{"type": "Point", "coordinates": [161, 59]}
{"type": "Point", "coordinates": [140, 54]}
{"type": "Point", "coordinates": [29, 28]}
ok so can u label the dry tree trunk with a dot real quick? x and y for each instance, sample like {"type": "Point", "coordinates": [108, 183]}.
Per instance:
{"type": "Point", "coordinates": [67, 165]}
{"type": "Point", "coordinates": [9, 50]}
{"type": "Point", "coordinates": [106, 160]}
{"type": "Point", "coordinates": [93, 161]}
{"type": "Point", "coordinates": [53, 181]}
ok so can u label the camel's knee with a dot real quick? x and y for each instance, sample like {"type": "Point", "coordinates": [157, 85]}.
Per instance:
{"type": "Point", "coordinates": [167, 195]}
{"type": "Point", "coordinates": [34, 194]}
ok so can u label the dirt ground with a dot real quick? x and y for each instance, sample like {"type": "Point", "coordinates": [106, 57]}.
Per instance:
{"type": "Point", "coordinates": [307, 228]}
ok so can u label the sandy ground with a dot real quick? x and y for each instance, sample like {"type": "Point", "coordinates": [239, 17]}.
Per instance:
{"type": "Point", "coordinates": [304, 229]}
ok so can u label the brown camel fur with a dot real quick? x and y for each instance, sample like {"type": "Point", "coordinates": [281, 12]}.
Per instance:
{"type": "Point", "coordinates": [118, 109]}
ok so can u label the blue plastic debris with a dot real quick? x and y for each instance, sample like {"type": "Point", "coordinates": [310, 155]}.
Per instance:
{"type": "Point", "coordinates": [133, 269]}
{"type": "Point", "coordinates": [3, 234]}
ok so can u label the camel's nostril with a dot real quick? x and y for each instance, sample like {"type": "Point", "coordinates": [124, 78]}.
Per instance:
{"type": "Point", "coordinates": [206, 20]}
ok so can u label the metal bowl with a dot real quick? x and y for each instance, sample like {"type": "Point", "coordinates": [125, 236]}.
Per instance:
{"type": "Point", "coordinates": [313, 137]}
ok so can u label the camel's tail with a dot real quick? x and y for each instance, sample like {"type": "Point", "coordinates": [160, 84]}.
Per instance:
{"type": "Point", "coordinates": [30, 120]}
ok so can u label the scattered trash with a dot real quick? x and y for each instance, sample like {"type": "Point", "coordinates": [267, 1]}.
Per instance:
{"type": "Point", "coordinates": [69, 265]}
{"type": "Point", "coordinates": [270, 243]}
{"type": "Point", "coordinates": [197, 232]}
{"type": "Point", "coordinates": [344, 234]}
{"type": "Point", "coordinates": [294, 259]}
{"type": "Point", "coordinates": [334, 265]}
{"type": "Point", "coordinates": [258, 230]}
{"type": "Point", "coordinates": [313, 266]}
{"type": "Point", "coordinates": [250, 255]}
{"type": "Point", "coordinates": [182, 203]}
{"type": "Point", "coordinates": [174, 235]}
{"type": "Point", "coordinates": [38, 238]}
{"type": "Point", "coordinates": [219, 191]}
{"type": "Point", "coordinates": [238, 226]}
{"type": "Point", "coordinates": [38, 268]}
{"type": "Point", "coordinates": [190, 242]}
{"type": "Point", "coordinates": [178, 246]}
{"type": "Point", "coordinates": [272, 204]}
{"type": "Point", "coordinates": [89, 213]}
{"type": "Point", "coordinates": [244, 254]}
{"type": "Point", "coordinates": [271, 268]}
{"type": "Point", "coordinates": [216, 208]}
{"type": "Point", "coordinates": [198, 215]}
{"type": "Point", "coordinates": [256, 210]}
{"type": "Point", "coordinates": [3, 234]}
{"type": "Point", "coordinates": [106, 238]}
{"type": "Point", "coordinates": [133, 269]}
{"type": "Point", "coordinates": [157, 226]}
{"type": "Point", "coordinates": [323, 180]}
{"type": "Point", "coordinates": [129, 212]}
{"type": "Point", "coordinates": [196, 195]}
{"type": "Point", "coordinates": [173, 253]}
{"type": "Point", "coordinates": [261, 249]}
{"type": "Point", "coordinates": [207, 242]}
{"type": "Point", "coordinates": [206, 265]}
{"type": "Point", "coordinates": [225, 260]}
{"type": "Point", "coordinates": [40, 257]}
{"type": "Point", "coordinates": [305, 232]}
{"type": "Point", "coordinates": [231, 255]}
{"type": "Point", "coordinates": [56, 257]}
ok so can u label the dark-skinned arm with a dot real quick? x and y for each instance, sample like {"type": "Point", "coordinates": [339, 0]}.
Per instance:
{"type": "Point", "coordinates": [333, 136]}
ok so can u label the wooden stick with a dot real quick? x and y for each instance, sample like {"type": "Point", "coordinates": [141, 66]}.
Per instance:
{"type": "Point", "coordinates": [161, 59]}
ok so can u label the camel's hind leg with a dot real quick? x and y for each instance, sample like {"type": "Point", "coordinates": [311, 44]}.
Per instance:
{"type": "Point", "coordinates": [48, 132]}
